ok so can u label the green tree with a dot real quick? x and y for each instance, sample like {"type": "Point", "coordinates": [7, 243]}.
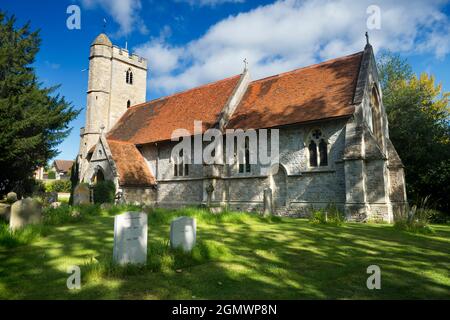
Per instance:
{"type": "Point", "coordinates": [33, 119]}
{"type": "Point", "coordinates": [418, 112]}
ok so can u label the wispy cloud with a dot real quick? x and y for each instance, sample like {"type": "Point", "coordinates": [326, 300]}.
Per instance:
{"type": "Point", "coordinates": [51, 65]}
{"type": "Point", "coordinates": [124, 12]}
{"type": "Point", "coordinates": [289, 34]}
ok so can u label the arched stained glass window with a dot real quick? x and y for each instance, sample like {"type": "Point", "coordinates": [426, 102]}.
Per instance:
{"type": "Point", "coordinates": [318, 149]}
{"type": "Point", "coordinates": [323, 152]}
{"type": "Point", "coordinates": [312, 154]}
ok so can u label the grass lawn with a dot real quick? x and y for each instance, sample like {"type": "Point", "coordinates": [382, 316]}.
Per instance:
{"type": "Point", "coordinates": [239, 256]}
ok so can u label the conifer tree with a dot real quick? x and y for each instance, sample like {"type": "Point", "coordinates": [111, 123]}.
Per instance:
{"type": "Point", "coordinates": [33, 119]}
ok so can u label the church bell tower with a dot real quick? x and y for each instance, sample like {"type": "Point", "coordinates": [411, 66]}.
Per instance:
{"type": "Point", "coordinates": [117, 81]}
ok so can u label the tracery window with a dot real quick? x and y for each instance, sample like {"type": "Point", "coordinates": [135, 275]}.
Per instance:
{"type": "Point", "coordinates": [318, 149]}
{"type": "Point", "coordinates": [180, 168]}
{"type": "Point", "coordinates": [245, 167]}
{"type": "Point", "coordinates": [376, 116]}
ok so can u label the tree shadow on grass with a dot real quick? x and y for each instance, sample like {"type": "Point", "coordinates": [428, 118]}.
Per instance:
{"type": "Point", "coordinates": [292, 259]}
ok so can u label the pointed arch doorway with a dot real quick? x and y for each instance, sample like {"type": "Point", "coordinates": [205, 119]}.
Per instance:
{"type": "Point", "coordinates": [99, 176]}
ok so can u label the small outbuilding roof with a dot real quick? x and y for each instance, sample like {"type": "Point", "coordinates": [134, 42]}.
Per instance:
{"type": "Point", "coordinates": [63, 165]}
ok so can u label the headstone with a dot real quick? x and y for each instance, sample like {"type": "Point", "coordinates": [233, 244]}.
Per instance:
{"type": "Point", "coordinates": [183, 233]}
{"type": "Point", "coordinates": [11, 197]}
{"type": "Point", "coordinates": [81, 195]}
{"type": "Point", "coordinates": [130, 238]}
{"type": "Point", "coordinates": [412, 213]}
{"type": "Point", "coordinates": [268, 201]}
{"type": "Point", "coordinates": [5, 211]}
{"type": "Point", "coordinates": [55, 205]}
{"type": "Point", "coordinates": [25, 212]}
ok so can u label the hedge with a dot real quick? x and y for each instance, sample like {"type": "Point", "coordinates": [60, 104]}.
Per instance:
{"type": "Point", "coordinates": [58, 186]}
{"type": "Point", "coordinates": [104, 192]}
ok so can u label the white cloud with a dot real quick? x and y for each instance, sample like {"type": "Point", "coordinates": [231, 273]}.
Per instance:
{"type": "Point", "coordinates": [290, 34]}
{"type": "Point", "coordinates": [124, 12]}
{"type": "Point", "coordinates": [162, 58]}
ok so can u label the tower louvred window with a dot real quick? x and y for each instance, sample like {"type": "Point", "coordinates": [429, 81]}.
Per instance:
{"type": "Point", "coordinates": [129, 77]}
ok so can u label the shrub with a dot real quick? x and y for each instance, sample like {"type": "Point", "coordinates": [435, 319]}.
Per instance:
{"type": "Point", "coordinates": [58, 186]}
{"type": "Point", "coordinates": [436, 216]}
{"type": "Point", "coordinates": [328, 215]}
{"type": "Point", "coordinates": [415, 226]}
{"type": "Point", "coordinates": [318, 216]}
{"type": "Point", "coordinates": [104, 192]}
{"type": "Point", "coordinates": [415, 220]}
{"type": "Point", "coordinates": [51, 175]}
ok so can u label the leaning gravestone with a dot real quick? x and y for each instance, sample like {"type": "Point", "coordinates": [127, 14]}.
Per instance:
{"type": "Point", "coordinates": [130, 238]}
{"type": "Point", "coordinates": [183, 233]}
{"type": "Point", "coordinates": [81, 195]}
{"type": "Point", "coordinates": [25, 212]}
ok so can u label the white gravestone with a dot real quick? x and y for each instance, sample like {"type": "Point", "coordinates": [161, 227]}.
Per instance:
{"type": "Point", "coordinates": [183, 233]}
{"type": "Point", "coordinates": [130, 238]}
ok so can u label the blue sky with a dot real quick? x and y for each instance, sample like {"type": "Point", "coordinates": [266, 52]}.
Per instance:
{"type": "Point", "coordinates": [190, 42]}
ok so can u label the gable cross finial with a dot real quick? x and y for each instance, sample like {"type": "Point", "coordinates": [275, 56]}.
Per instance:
{"type": "Point", "coordinates": [245, 64]}
{"type": "Point", "coordinates": [367, 38]}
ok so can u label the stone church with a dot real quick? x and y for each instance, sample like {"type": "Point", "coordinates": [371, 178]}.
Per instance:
{"type": "Point", "coordinates": [333, 137]}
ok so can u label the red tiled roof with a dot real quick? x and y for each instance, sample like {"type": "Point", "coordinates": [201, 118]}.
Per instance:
{"type": "Point", "coordinates": [133, 170]}
{"type": "Point", "coordinates": [63, 165]}
{"type": "Point", "coordinates": [316, 92]}
{"type": "Point", "coordinates": [320, 91]}
{"type": "Point", "coordinates": [156, 120]}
